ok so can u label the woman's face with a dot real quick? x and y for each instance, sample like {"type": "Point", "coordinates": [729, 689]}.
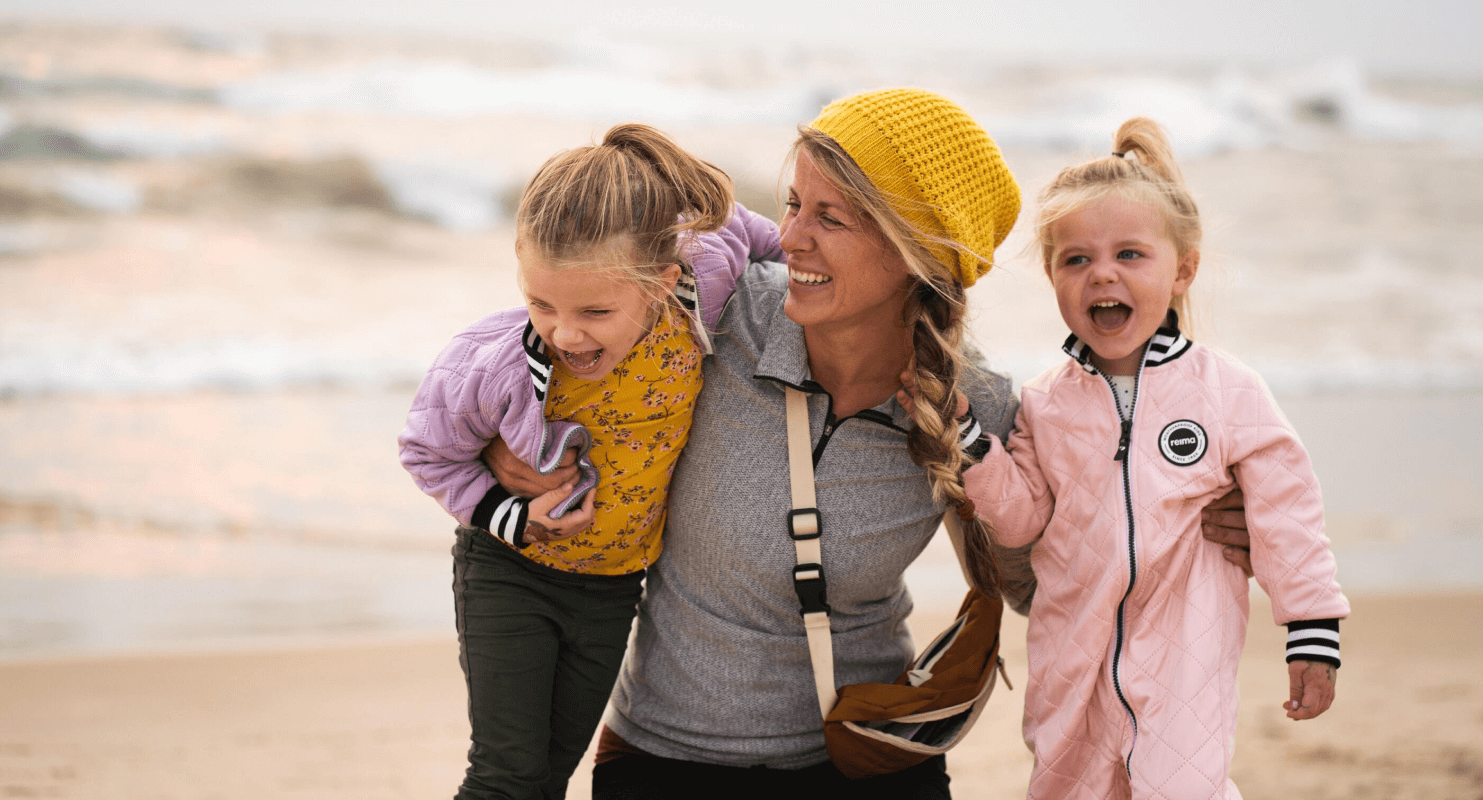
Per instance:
{"type": "Point", "coordinates": [842, 273]}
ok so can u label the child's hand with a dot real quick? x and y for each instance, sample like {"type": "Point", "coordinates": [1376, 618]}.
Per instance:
{"type": "Point", "coordinates": [1311, 685]}
{"type": "Point", "coordinates": [541, 528]}
{"type": "Point", "coordinates": [906, 396]}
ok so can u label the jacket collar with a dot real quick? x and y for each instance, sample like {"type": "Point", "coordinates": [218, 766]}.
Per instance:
{"type": "Point", "coordinates": [784, 359]}
{"type": "Point", "coordinates": [1166, 344]}
{"type": "Point", "coordinates": [537, 361]}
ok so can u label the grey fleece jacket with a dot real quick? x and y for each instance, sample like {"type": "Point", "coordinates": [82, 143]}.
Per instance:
{"type": "Point", "coordinates": [720, 672]}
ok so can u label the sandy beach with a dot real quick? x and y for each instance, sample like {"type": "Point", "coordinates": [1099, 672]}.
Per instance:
{"type": "Point", "coordinates": [227, 256]}
{"type": "Point", "coordinates": [386, 720]}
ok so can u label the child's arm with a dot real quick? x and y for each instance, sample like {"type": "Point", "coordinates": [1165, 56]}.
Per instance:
{"type": "Point", "coordinates": [457, 411]}
{"type": "Point", "coordinates": [719, 258]}
{"type": "Point", "coordinates": [1012, 497]}
{"type": "Point", "coordinates": [746, 237]}
{"type": "Point", "coordinates": [1008, 489]}
{"type": "Point", "coordinates": [1289, 551]}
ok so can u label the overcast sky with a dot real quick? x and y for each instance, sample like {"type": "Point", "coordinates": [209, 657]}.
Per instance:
{"type": "Point", "coordinates": [1421, 37]}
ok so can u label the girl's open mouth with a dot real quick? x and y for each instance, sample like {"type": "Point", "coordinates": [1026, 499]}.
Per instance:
{"type": "Point", "coordinates": [1109, 314]}
{"type": "Point", "coordinates": [582, 362]}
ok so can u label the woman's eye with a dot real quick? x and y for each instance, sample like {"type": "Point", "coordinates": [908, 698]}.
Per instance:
{"type": "Point", "coordinates": [830, 221]}
{"type": "Point", "coordinates": [598, 312]}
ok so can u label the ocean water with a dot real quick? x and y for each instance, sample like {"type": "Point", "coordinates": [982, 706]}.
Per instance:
{"type": "Point", "coordinates": [200, 388]}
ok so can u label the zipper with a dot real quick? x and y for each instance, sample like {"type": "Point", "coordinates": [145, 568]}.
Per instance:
{"type": "Point", "coordinates": [1122, 455]}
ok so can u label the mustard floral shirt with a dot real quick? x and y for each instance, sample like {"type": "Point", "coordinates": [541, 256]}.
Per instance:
{"type": "Point", "coordinates": [639, 417]}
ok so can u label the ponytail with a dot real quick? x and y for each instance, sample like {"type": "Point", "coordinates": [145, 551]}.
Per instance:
{"type": "Point", "coordinates": [637, 191]}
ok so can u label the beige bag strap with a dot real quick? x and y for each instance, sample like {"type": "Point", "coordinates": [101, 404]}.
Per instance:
{"type": "Point", "coordinates": [805, 526]}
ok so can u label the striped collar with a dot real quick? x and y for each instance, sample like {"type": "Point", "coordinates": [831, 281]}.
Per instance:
{"type": "Point", "coordinates": [537, 361]}
{"type": "Point", "coordinates": [1166, 344]}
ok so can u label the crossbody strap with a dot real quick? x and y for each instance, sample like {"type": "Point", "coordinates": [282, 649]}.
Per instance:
{"type": "Point", "coordinates": [805, 526]}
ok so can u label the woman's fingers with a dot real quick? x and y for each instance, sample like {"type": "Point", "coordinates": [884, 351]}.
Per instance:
{"type": "Point", "coordinates": [521, 478]}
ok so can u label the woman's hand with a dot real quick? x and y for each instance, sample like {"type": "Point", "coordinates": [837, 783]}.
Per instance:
{"type": "Point", "coordinates": [521, 478]}
{"type": "Point", "coordinates": [543, 491]}
{"type": "Point", "coordinates": [541, 528]}
{"type": "Point", "coordinates": [1224, 522]}
{"type": "Point", "coordinates": [906, 396]}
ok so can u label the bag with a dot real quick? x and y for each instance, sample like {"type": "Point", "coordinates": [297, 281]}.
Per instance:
{"type": "Point", "coordinates": [878, 728]}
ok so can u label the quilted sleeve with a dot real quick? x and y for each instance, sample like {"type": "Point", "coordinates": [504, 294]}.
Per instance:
{"type": "Point", "coordinates": [1284, 510]}
{"type": "Point", "coordinates": [719, 258]}
{"type": "Point", "coordinates": [457, 411]}
{"type": "Point", "coordinates": [1008, 489]}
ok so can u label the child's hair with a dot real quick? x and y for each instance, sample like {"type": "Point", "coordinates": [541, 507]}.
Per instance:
{"type": "Point", "coordinates": [621, 205]}
{"type": "Point", "coordinates": [936, 312]}
{"type": "Point", "coordinates": [1141, 168]}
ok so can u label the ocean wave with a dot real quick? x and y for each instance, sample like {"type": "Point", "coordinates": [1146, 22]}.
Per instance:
{"type": "Point", "coordinates": [414, 88]}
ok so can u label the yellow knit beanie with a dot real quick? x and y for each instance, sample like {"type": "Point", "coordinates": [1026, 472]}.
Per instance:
{"type": "Point", "coordinates": [935, 166]}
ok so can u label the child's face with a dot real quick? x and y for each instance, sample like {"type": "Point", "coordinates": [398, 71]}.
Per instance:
{"type": "Point", "coordinates": [1115, 270]}
{"type": "Point", "coordinates": [588, 319]}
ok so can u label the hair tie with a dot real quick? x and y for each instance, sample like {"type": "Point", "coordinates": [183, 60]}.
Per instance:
{"type": "Point", "coordinates": [966, 511]}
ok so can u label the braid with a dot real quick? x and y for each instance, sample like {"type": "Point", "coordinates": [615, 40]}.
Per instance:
{"type": "Point", "coordinates": [935, 317]}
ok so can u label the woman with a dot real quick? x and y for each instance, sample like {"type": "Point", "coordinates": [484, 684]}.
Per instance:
{"type": "Point", "coordinates": [897, 202]}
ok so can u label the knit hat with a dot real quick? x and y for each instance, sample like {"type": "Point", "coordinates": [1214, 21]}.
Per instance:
{"type": "Point", "coordinates": [935, 166]}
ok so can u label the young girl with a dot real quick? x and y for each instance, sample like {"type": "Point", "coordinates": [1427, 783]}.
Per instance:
{"type": "Point", "coordinates": [622, 287]}
{"type": "Point", "coordinates": [1137, 625]}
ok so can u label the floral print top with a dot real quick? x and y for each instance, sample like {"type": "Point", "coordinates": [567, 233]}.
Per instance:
{"type": "Point", "coordinates": [639, 417]}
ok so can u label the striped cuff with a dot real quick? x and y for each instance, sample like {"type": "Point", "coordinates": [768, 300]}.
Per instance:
{"type": "Point", "coordinates": [1313, 640]}
{"type": "Point", "coordinates": [502, 514]}
{"type": "Point", "coordinates": [971, 439]}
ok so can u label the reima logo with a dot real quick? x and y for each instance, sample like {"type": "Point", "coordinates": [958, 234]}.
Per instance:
{"type": "Point", "coordinates": [1182, 442]}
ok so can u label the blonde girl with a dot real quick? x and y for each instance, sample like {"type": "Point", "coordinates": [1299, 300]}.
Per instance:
{"type": "Point", "coordinates": [1137, 625]}
{"type": "Point", "coordinates": [627, 252]}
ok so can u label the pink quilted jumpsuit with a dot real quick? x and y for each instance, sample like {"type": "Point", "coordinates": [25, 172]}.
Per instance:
{"type": "Point", "coordinates": [1137, 625]}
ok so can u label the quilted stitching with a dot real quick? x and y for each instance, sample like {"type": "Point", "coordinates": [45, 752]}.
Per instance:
{"type": "Point", "coordinates": [1187, 613]}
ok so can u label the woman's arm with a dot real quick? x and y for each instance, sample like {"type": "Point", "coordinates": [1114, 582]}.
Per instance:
{"type": "Point", "coordinates": [544, 491]}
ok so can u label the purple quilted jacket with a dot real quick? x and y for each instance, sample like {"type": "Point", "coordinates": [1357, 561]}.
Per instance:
{"type": "Point", "coordinates": [491, 381]}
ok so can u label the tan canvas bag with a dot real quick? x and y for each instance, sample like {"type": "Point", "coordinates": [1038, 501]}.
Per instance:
{"type": "Point", "coordinates": [878, 728]}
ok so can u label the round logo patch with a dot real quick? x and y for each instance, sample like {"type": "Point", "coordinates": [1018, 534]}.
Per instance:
{"type": "Point", "coordinates": [1182, 442]}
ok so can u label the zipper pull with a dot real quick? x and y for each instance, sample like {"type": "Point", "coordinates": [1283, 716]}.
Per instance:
{"type": "Point", "coordinates": [1122, 442]}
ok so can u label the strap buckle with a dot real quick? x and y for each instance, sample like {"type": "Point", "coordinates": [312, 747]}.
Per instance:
{"type": "Point", "coordinates": [812, 589]}
{"type": "Point", "coordinates": [805, 523]}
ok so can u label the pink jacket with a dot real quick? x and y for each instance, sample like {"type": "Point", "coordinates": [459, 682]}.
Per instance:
{"type": "Point", "coordinates": [490, 381]}
{"type": "Point", "coordinates": [1137, 625]}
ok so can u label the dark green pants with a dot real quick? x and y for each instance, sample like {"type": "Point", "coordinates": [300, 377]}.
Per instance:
{"type": "Point", "coordinates": [540, 649]}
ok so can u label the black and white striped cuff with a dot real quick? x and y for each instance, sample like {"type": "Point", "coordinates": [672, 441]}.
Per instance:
{"type": "Point", "coordinates": [971, 439]}
{"type": "Point", "coordinates": [502, 514]}
{"type": "Point", "coordinates": [1313, 640]}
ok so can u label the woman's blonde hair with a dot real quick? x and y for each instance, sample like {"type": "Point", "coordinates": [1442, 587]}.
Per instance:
{"type": "Point", "coordinates": [1140, 168]}
{"type": "Point", "coordinates": [936, 311]}
{"type": "Point", "coordinates": [620, 206]}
